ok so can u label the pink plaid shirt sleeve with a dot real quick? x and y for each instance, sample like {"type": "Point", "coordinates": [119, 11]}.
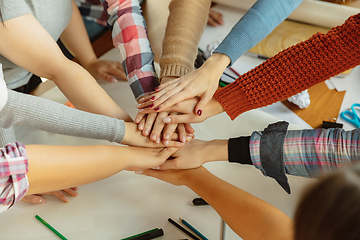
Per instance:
{"type": "Point", "coordinates": [130, 38]}
{"type": "Point", "coordinates": [13, 169]}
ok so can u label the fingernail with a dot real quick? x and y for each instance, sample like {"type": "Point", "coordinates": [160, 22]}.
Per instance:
{"type": "Point", "coordinates": [137, 120]}
{"type": "Point", "coordinates": [66, 199]}
{"type": "Point", "coordinates": [158, 140]}
{"type": "Point", "coordinates": [141, 127]}
{"type": "Point", "coordinates": [167, 120]}
{"type": "Point", "coordinates": [41, 200]}
{"type": "Point", "coordinates": [146, 131]}
{"type": "Point", "coordinates": [157, 88]}
{"type": "Point", "coordinates": [166, 142]}
{"type": "Point", "coordinates": [138, 172]}
{"type": "Point", "coordinates": [141, 99]}
{"type": "Point", "coordinates": [183, 139]}
{"type": "Point", "coordinates": [153, 137]}
{"type": "Point", "coordinates": [188, 138]}
{"type": "Point", "coordinates": [167, 136]}
{"type": "Point", "coordinates": [157, 108]}
{"type": "Point", "coordinates": [114, 80]}
{"type": "Point", "coordinates": [138, 105]}
{"type": "Point", "coordinates": [199, 112]}
{"type": "Point", "coordinates": [153, 98]}
{"type": "Point", "coordinates": [157, 168]}
{"type": "Point", "coordinates": [151, 106]}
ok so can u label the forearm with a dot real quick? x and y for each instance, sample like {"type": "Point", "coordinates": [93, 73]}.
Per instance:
{"type": "Point", "coordinates": [249, 216]}
{"type": "Point", "coordinates": [130, 38]}
{"type": "Point", "coordinates": [42, 114]}
{"type": "Point", "coordinates": [60, 167]}
{"type": "Point", "coordinates": [76, 39]}
{"type": "Point", "coordinates": [185, 26]}
{"type": "Point", "coordinates": [84, 92]}
{"type": "Point", "coordinates": [294, 69]}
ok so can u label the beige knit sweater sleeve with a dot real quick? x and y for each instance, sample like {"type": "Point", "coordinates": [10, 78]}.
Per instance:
{"type": "Point", "coordinates": [185, 26]}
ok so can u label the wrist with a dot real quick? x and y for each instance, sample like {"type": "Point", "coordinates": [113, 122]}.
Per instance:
{"type": "Point", "coordinates": [166, 79]}
{"type": "Point", "coordinates": [213, 108]}
{"type": "Point", "coordinates": [192, 177]}
{"type": "Point", "coordinates": [218, 149]}
{"type": "Point", "coordinates": [87, 62]}
{"type": "Point", "coordinates": [218, 61]}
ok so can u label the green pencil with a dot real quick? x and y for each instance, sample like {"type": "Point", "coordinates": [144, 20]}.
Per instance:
{"type": "Point", "coordinates": [50, 227]}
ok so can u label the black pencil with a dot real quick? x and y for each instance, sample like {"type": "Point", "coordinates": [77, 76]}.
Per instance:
{"type": "Point", "coordinates": [183, 229]}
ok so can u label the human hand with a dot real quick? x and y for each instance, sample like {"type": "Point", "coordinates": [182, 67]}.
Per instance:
{"type": "Point", "coordinates": [174, 177]}
{"type": "Point", "coordinates": [152, 125]}
{"type": "Point", "coordinates": [134, 137]}
{"type": "Point", "coordinates": [38, 198]}
{"type": "Point", "coordinates": [197, 152]}
{"type": "Point", "coordinates": [145, 158]}
{"type": "Point", "coordinates": [187, 114]}
{"type": "Point", "coordinates": [215, 18]}
{"type": "Point", "coordinates": [106, 70]}
{"type": "Point", "coordinates": [202, 83]}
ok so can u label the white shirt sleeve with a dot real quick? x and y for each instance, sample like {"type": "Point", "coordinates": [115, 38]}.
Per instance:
{"type": "Point", "coordinates": [3, 90]}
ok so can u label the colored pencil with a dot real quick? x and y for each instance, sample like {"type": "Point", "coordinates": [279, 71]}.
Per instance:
{"type": "Point", "coordinates": [183, 229]}
{"type": "Point", "coordinates": [50, 227]}
{"type": "Point", "coordinates": [193, 229]}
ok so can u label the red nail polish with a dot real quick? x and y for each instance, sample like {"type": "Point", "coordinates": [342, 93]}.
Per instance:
{"type": "Point", "coordinates": [152, 98]}
{"type": "Point", "coordinates": [199, 112]}
{"type": "Point", "coordinates": [157, 88]}
{"type": "Point", "coordinates": [151, 105]}
{"type": "Point", "coordinates": [157, 108]}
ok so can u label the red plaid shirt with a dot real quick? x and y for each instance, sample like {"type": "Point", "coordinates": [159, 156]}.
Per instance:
{"type": "Point", "coordinates": [13, 169]}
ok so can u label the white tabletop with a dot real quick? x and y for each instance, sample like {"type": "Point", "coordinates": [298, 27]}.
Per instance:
{"type": "Point", "coordinates": [126, 204]}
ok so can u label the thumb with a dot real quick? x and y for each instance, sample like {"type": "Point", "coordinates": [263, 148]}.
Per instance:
{"type": "Point", "coordinates": [200, 106]}
{"type": "Point", "coordinates": [169, 164]}
{"type": "Point", "coordinates": [165, 153]}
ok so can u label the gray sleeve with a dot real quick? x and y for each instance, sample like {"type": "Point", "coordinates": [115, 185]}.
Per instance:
{"type": "Point", "coordinates": [46, 115]}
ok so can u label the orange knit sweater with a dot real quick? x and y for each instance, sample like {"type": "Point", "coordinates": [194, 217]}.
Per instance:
{"type": "Point", "coordinates": [294, 69]}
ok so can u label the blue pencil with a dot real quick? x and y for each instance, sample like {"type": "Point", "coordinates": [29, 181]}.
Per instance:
{"type": "Point", "coordinates": [193, 229]}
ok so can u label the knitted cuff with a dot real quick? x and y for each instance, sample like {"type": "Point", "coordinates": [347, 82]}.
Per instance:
{"type": "Point", "coordinates": [238, 150]}
{"type": "Point", "coordinates": [174, 70]}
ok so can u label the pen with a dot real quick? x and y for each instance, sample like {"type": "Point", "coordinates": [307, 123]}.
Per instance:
{"type": "Point", "coordinates": [229, 76]}
{"type": "Point", "coordinates": [50, 227]}
{"type": "Point", "coordinates": [183, 229]}
{"type": "Point", "coordinates": [193, 229]}
{"type": "Point", "coordinates": [233, 70]}
{"type": "Point", "coordinates": [151, 234]}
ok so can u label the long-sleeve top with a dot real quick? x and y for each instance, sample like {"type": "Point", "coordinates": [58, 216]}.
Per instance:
{"type": "Point", "coordinates": [294, 69]}
{"type": "Point", "coordinates": [130, 38]}
{"type": "Point", "coordinates": [187, 21]}
{"type": "Point", "coordinates": [13, 169]}
{"type": "Point", "coordinates": [305, 153]}
{"type": "Point", "coordinates": [258, 22]}
{"type": "Point", "coordinates": [42, 114]}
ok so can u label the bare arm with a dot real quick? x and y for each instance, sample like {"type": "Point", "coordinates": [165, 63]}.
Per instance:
{"type": "Point", "coordinates": [249, 216]}
{"type": "Point", "coordinates": [69, 166]}
{"type": "Point", "coordinates": [26, 43]}
{"type": "Point", "coordinates": [76, 40]}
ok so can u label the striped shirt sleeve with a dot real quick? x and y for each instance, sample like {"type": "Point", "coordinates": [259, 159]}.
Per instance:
{"type": "Point", "coordinates": [309, 153]}
{"type": "Point", "coordinates": [13, 169]}
{"type": "Point", "coordinates": [130, 38]}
